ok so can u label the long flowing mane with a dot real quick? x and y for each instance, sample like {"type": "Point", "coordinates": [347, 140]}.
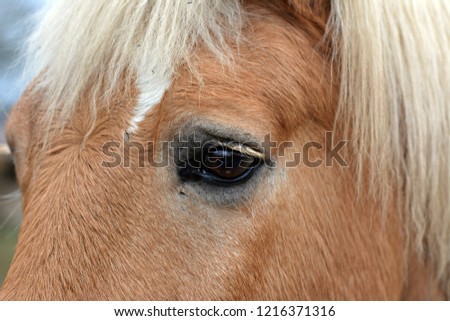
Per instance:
{"type": "Point", "coordinates": [394, 71]}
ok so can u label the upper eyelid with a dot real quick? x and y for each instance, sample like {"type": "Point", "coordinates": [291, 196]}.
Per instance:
{"type": "Point", "coordinates": [220, 132]}
{"type": "Point", "coordinates": [236, 139]}
{"type": "Point", "coordinates": [243, 149]}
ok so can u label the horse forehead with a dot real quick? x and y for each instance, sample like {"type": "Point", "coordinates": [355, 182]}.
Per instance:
{"type": "Point", "coordinates": [270, 77]}
{"type": "Point", "coordinates": [268, 80]}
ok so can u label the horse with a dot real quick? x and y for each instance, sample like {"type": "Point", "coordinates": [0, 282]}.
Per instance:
{"type": "Point", "coordinates": [234, 150]}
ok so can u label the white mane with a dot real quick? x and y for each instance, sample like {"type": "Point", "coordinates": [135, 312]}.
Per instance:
{"type": "Point", "coordinates": [82, 44]}
{"type": "Point", "coordinates": [395, 89]}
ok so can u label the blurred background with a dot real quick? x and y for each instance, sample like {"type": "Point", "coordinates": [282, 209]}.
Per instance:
{"type": "Point", "coordinates": [16, 21]}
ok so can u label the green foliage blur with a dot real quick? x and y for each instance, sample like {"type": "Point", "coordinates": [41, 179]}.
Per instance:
{"type": "Point", "coordinates": [10, 210]}
{"type": "Point", "coordinates": [8, 240]}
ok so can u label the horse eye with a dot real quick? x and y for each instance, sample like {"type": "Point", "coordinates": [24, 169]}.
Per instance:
{"type": "Point", "coordinates": [227, 164]}
{"type": "Point", "coordinates": [222, 166]}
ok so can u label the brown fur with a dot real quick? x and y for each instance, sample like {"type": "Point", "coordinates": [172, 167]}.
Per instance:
{"type": "Point", "coordinates": [91, 232]}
